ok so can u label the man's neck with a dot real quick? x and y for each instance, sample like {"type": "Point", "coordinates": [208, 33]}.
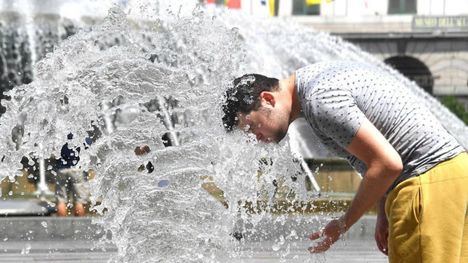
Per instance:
{"type": "Point", "coordinates": [288, 86]}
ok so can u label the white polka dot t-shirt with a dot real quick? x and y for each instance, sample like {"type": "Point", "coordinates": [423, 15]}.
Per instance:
{"type": "Point", "coordinates": [337, 96]}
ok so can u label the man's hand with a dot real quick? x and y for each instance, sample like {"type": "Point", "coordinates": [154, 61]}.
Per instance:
{"type": "Point", "coordinates": [330, 234]}
{"type": "Point", "coordinates": [383, 164]}
{"type": "Point", "coordinates": [381, 228]}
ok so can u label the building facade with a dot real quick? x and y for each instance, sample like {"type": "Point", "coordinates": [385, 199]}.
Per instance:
{"type": "Point", "coordinates": [426, 40]}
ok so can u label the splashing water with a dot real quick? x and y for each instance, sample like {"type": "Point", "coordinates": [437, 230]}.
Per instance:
{"type": "Point", "coordinates": [119, 75]}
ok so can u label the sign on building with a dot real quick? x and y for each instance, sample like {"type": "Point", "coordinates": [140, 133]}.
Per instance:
{"type": "Point", "coordinates": [443, 23]}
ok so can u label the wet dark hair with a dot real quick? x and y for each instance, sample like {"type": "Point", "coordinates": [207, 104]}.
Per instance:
{"type": "Point", "coordinates": [243, 96]}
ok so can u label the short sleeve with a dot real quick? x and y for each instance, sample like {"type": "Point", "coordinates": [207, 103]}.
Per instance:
{"type": "Point", "coordinates": [336, 114]}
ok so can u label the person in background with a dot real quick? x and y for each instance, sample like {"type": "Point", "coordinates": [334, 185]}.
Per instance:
{"type": "Point", "coordinates": [72, 182]}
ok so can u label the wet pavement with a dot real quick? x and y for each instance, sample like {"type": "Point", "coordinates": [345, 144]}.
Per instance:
{"type": "Point", "coordinates": [82, 251]}
{"type": "Point", "coordinates": [77, 243]}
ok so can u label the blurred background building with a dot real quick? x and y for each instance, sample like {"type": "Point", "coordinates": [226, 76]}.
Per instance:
{"type": "Point", "coordinates": [426, 40]}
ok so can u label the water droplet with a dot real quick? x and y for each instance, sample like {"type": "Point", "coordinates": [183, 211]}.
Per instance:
{"type": "Point", "coordinates": [277, 246]}
{"type": "Point", "coordinates": [26, 249]}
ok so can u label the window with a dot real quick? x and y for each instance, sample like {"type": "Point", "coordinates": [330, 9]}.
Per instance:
{"type": "Point", "coordinates": [306, 7]}
{"type": "Point", "coordinates": [402, 6]}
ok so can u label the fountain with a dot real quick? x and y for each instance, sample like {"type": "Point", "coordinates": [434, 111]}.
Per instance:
{"type": "Point", "coordinates": [150, 71]}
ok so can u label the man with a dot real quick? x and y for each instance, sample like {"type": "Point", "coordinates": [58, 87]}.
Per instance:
{"type": "Point", "coordinates": [71, 179]}
{"type": "Point", "coordinates": [410, 164]}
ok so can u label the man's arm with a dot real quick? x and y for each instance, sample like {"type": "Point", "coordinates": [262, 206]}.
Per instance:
{"type": "Point", "coordinates": [384, 165]}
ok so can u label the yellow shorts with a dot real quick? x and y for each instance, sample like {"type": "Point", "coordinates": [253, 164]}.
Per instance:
{"type": "Point", "coordinates": [428, 215]}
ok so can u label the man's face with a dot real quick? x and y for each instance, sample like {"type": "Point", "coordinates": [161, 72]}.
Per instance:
{"type": "Point", "coordinates": [268, 124]}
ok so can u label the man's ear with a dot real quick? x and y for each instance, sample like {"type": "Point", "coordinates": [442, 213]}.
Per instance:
{"type": "Point", "coordinates": [268, 98]}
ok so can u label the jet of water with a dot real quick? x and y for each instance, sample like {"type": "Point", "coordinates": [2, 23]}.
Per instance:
{"type": "Point", "coordinates": [121, 75]}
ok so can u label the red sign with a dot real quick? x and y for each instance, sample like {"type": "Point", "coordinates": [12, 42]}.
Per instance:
{"type": "Point", "coordinates": [236, 4]}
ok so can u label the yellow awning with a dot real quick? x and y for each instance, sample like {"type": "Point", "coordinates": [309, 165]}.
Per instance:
{"type": "Point", "coordinates": [313, 2]}
{"type": "Point", "coordinates": [272, 7]}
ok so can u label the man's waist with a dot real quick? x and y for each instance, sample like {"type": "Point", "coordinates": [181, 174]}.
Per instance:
{"type": "Point", "coordinates": [414, 170]}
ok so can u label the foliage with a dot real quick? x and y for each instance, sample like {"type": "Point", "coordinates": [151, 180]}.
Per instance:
{"type": "Point", "coordinates": [456, 107]}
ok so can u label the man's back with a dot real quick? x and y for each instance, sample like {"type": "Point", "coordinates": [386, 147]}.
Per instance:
{"type": "Point", "coordinates": [337, 96]}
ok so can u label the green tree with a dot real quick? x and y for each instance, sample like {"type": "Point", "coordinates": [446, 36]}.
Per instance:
{"type": "Point", "coordinates": [456, 107]}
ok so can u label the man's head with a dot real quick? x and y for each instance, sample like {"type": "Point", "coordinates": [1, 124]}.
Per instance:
{"type": "Point", "coordinates": [255, 104]}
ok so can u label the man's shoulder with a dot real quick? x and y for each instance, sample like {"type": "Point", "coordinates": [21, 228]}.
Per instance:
{"type": "Point", "coordinates": [314, 71]}
{"type": "Point", "coordinates": [328, 74]}
{"type": "Point", "coordinates": [315, 67]}
{"type": "Point", "coordinates": [319, 74]}
{"type": "Point", "coordinates": [337, 64]}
